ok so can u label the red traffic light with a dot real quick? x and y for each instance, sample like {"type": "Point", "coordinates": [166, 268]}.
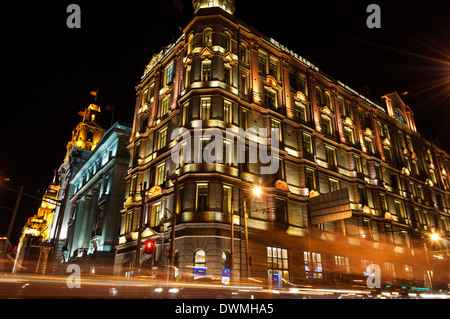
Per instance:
{"type": "Point", "coordinates": [149, 245]}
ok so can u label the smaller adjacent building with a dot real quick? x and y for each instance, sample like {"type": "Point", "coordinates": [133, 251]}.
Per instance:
{"type": "Point", "coordinates": [98, 190]}
{"type": "Point", "coordinates": [35, 246]}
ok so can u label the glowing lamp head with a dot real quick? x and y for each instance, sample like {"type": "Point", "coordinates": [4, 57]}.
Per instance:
{"type": "Point", "coordinates": [435, 237]}
{"type": "Point", "coordinates": [257, 191]}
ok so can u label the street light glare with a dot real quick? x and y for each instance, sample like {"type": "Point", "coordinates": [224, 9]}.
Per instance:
{"type": "Point", "coordinates": [435, 237]}
{"type": "Point", "coordinates": [257, 191]}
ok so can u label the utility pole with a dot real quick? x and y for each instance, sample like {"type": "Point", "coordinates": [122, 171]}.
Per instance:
{"type": "Point", "coordinates": [13, 218]}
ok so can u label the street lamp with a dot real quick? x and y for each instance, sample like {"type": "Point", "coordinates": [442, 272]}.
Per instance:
{"type": "Point", "coordinates": [435, 238]}
{"type": "Point", "coordinates": [257, 191]}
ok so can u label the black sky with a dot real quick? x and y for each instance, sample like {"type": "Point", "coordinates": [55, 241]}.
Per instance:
{"type": "Point", "coordinates": [52, 69]}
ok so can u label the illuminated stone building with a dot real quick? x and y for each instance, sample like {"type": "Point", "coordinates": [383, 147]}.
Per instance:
{"type": "Point", "coordinates": [85, 138]}
{"type": "Point", "coordinates": [356, 184]}
{"type": "Point", "coordinates": [35, 248]}
{"type": "Point", "coordinates": [95, 206]}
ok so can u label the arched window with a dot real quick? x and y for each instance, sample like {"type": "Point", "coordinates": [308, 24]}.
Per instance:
{"type": "Point", "coordinates": [319, 96]}
{"type": "Point", "coordinates": [399, 116]}
{"type": "Point", "coordinates": [207, 38]}
{"type": "Point", "coordinates": [328, 101]}
{"type": "Point", "coordinates": [226, 262]}
{"type": "Point", "coordinates": [200, 258]}
{"type": "Point", "coordinates": [243, 52]}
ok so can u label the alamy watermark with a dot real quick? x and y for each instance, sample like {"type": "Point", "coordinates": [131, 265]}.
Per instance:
{"type": "Point", "coordinates": [74, 279]}
{"type": "Point", "coordinates": [373, 274]}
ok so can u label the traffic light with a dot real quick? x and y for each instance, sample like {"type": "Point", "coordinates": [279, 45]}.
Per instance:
{"type": "Point", "coordinates": [149, 246]}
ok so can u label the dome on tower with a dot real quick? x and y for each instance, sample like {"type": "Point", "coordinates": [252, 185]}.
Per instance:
{"type": "Point", "coordinates": [227, 5]}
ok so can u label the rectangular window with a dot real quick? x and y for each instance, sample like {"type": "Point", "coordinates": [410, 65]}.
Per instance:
{"type": "Point", "coordinates": [206, 71]}
{"type": "Point", "coordinates": [358, 165]}
{"type": "Point", "coordinates": [165, 106]}
{"type": "Point", "coordinates": [205, 109]}
{"type": "Point", "coordinates": [156, 215]}
{"type": "Point", "coordinates": [326, 124]}
{"type": "Point", "coordinates": [270, 97]}
{"type": "Point", "coordinates": [262, 64]}
{"type": "Point", "coordinates": [162, 138]}
{"type": "Point", "coordinates": [302, 83]}
{"type": "Point", "coordinates": [227, 75]}
{"type": "Point", "coordinates": [307, 143]}
{"type": "Point", "coordinates": [342, 265]}
{"type": "Point", "coordinates": [349, 136]}
{"type": "Point", "coordinates": [300, 110]}
{"type": "Point", "coordinates": [313, 265]}
{"type": "Point", "coordinates": [362, 195]}
{"type": "Point", "coordinates": [129, 222]}
{"type": "Point", "coordinates": [275, 130]}
{"type": "Point", "coordinates": [384, 203]}
{"type": "Point", "coordinates": [399, 209]}
{"type": "Point", "coordinates": [159, 180]}
{"type": "Point", "coordinates": [311, 179]}
{"type": "Point", "coordinates": [202, 197]}
{"type": "Point", "coordinates": [226, 203]}
{"type": "Point", "coordinates": [169, 74]}
{"type": "Point", "coordinates": [331, 156]}
{"type": "Point", "coordinates": [227, 114]}
{"type": "Point", "coordinates": [273, 69]}
{"type": "Point", "coordinates": [278, 266]}
{"type": "Point", "coordinates": [334, 185]}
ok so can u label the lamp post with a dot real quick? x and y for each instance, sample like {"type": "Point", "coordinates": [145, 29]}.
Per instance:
{"type": "Point", "coordinates": [257, 191]}
{"type": "Point", "coordinates": [435, 238]}
{"type": "Point", "coordinates": [141, 223]}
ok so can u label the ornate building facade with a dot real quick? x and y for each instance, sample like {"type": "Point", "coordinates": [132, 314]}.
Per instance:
{"type": "Point", "coordinates": [94, 218]}
{"type": "Point", "coordinates": [221, 74]}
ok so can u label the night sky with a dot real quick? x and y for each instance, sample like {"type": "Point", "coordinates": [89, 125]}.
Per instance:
{"type": "Point", "coordinates": [52, 69]}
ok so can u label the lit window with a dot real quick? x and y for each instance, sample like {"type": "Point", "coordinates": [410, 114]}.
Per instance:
{"type": "Point", "coordinates": [275, 131]}
{"type": "Point", "coordinates": [331, 156]}
{"type": "Point", "coordinates": [307, 143]}
{"type": "Point", "coordinates": [270, 97]}
{"type": "Point", "coordinates": [342, 265]}
{"type": "Point", "coordinates": [227, 115]}
{"type": "Point", "coordinates": [313, 265]}
{"type": "Point", "coordinates": [226, 204]}
{"type": "Point", "coordinates": [326, 124]}
{"type": "Point", "coordinates": [205, 109]}
{"type": "Point", "coordinates": [334, 185]}
{"type": "Point", "coordinates": [200, 259]}
{"type": "Point", "coordinates": [227, 42]}
{"type": "Point", "coordinates": [328, 101]}
{"type": "Point", "coordinates": [319, 96]}
{"type": "Point", "coordinates": [273, 69]}
{"type": "Point", "coordinates": [165, 106]}
{"type": "Point", "coordinates": [156, 215]}
{"type": "Point", "coordinates": [162, 138]}
{"type": "Point", "coordinates": [311, 179]}
{"type": "Point", "coordinates": [262, 64]}
{"type": "Point", "coordinates": [300, 109]}
{"type": "Point", "coordinates": [206, 71]}
{"type": "Point", "coordinates": [207, 38]}
{"type": "Point", "coordinates": [227, 75]}
{"type": "Point", "coordinates": [169, 74]}
{"type": "Point", "coordinates": [278, 265]}
{"type": "Point", "coordinates": [202, 197]}
{"type": "Point", "coordinates": [349, 135]}
{"type": "Point", "coordinates": [159, 174]}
